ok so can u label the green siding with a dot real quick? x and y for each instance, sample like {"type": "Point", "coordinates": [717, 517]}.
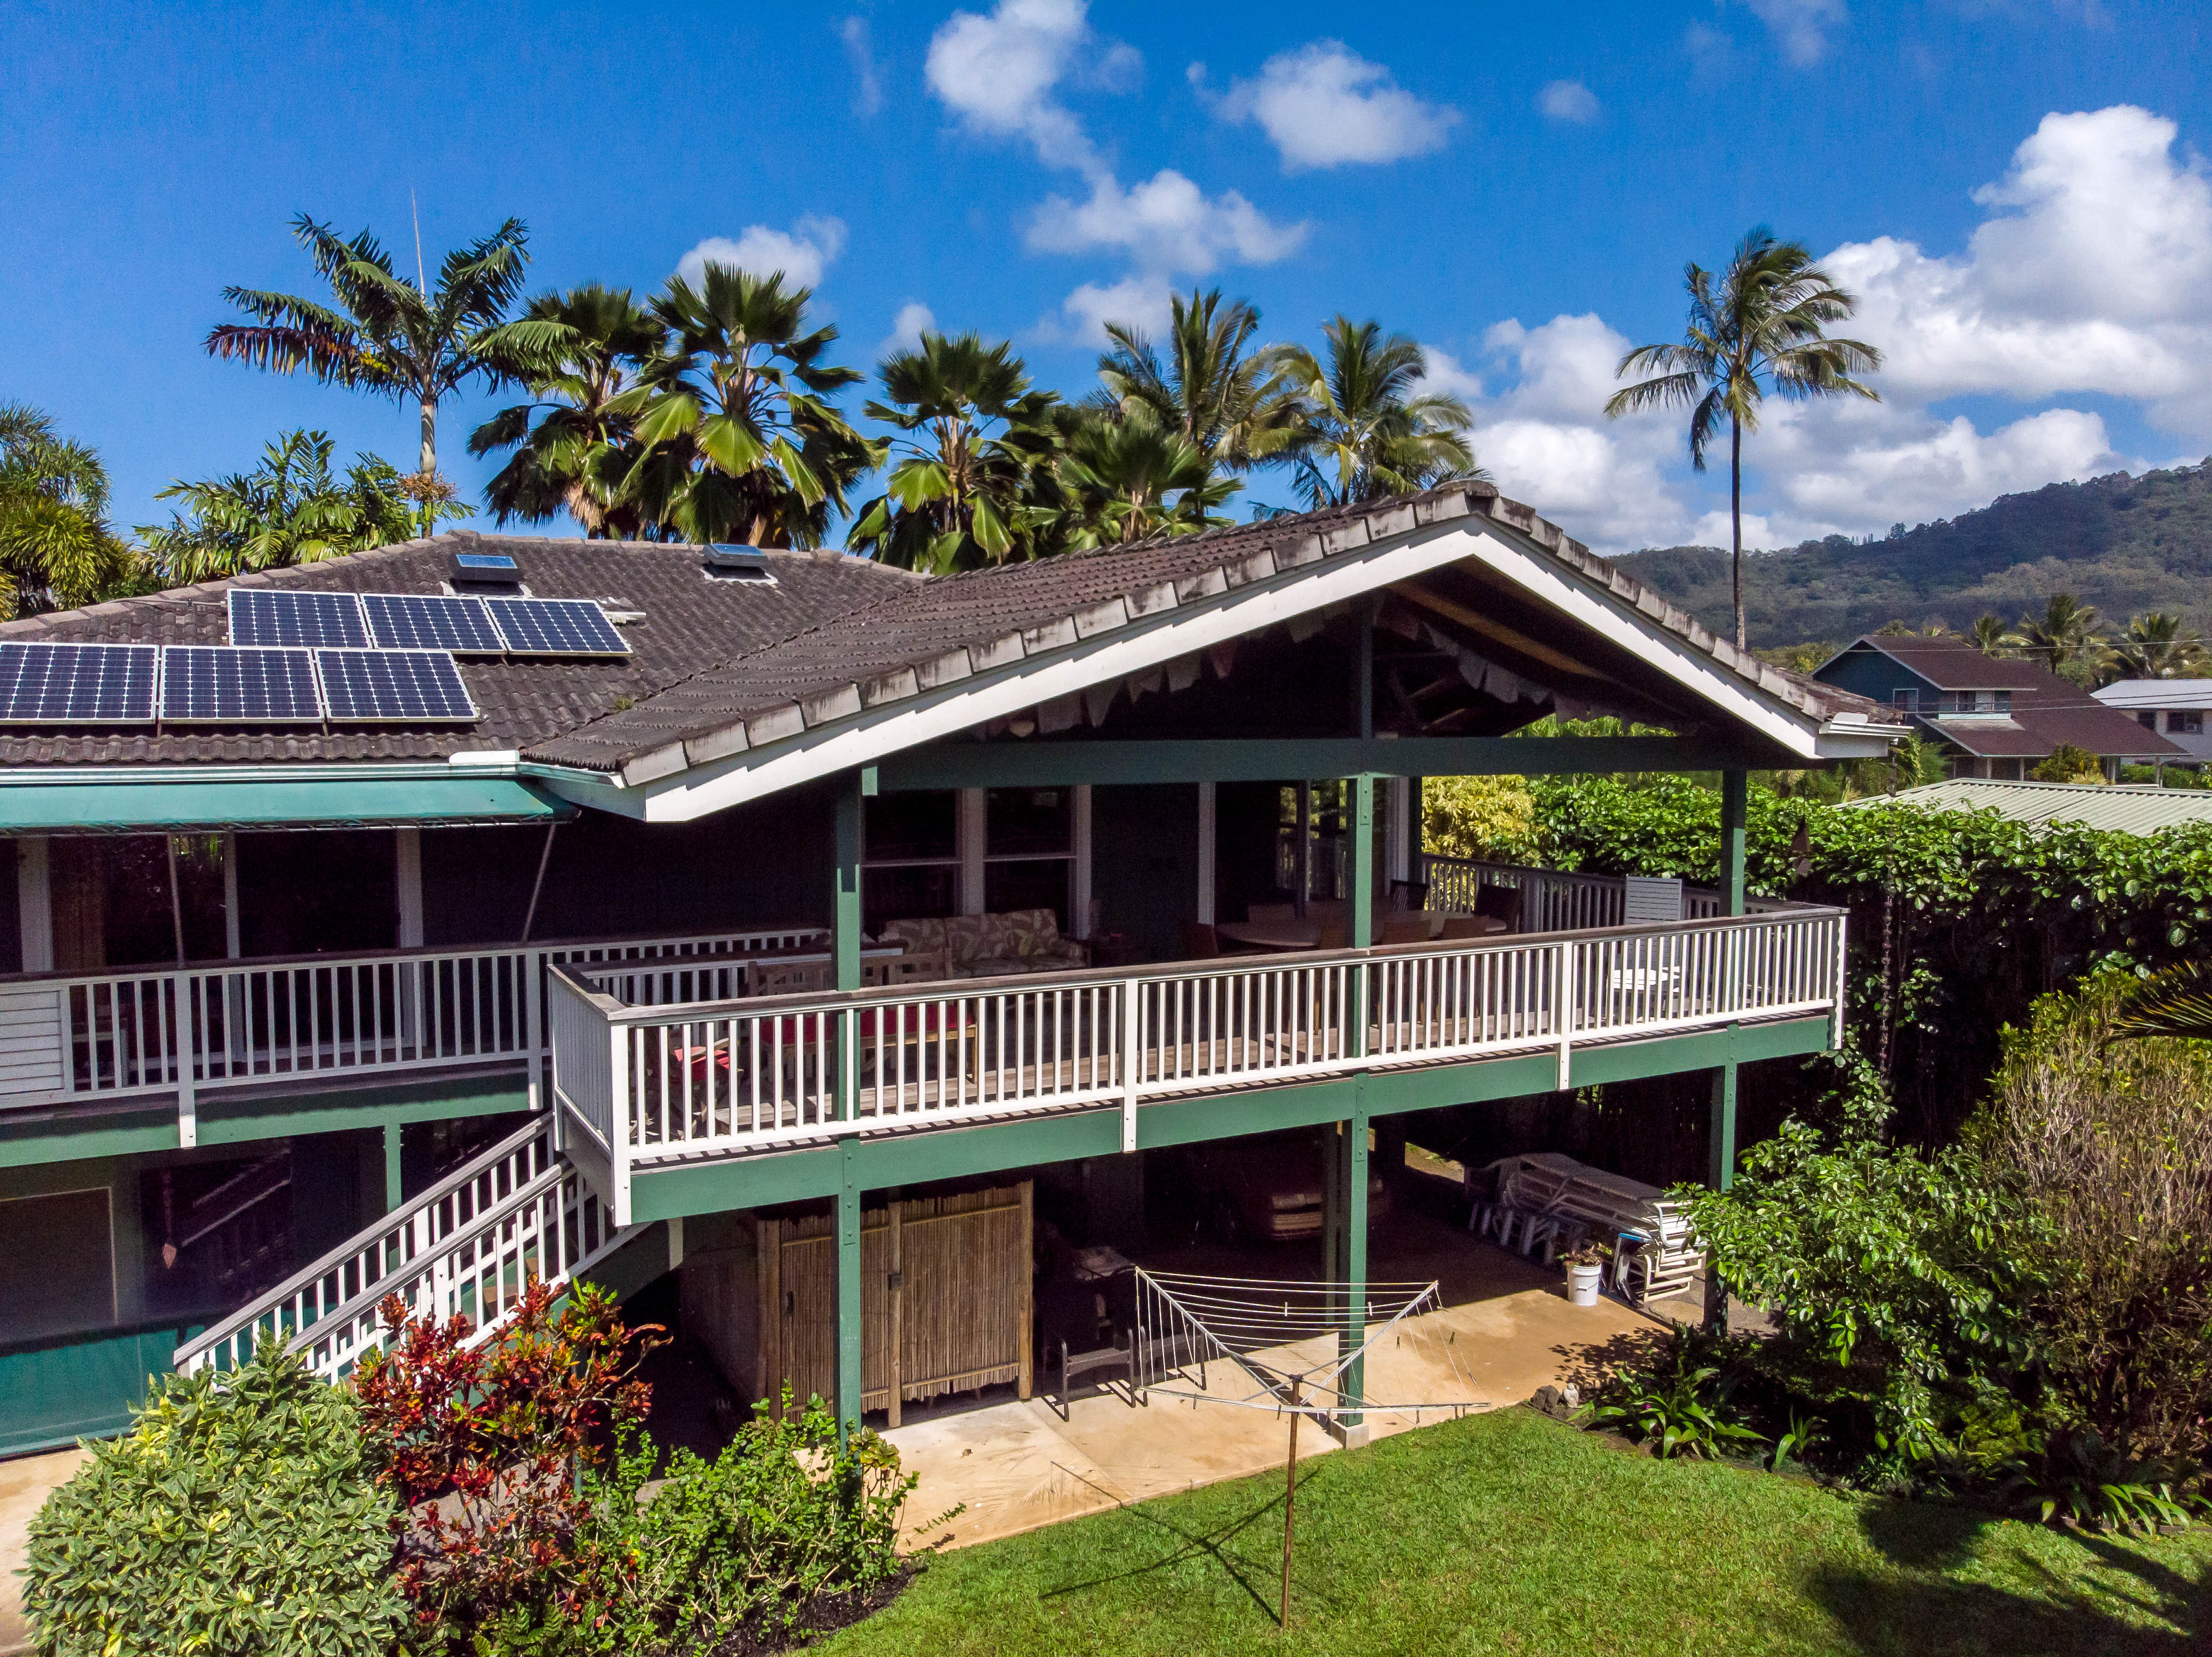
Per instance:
{"type": "Point", "coordinates": [52, 1396]}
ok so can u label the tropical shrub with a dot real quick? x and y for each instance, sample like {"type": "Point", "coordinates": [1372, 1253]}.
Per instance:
{"type": "Point", "coordinates": [1901, 1281]}
{"type": "Point", "coordinates": [1489, 818]}
{"type": "Point", "coordinates": [238, 1515]}
{"type": "Point", "coordinates": [784, 1531]}
{"type": "Point", "coordinates": [2112, 1140]}
{"type": "Point", "coordinates": [481, 1447]}
{"type": "Point", "coordinates": [1675, 1402]}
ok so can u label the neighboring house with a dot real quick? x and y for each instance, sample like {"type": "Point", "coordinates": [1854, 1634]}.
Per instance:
{"type": "Point", "coordinates": [2126, 808]}
{"type": "Point", "coordinates": [2175, 708]}
{"type": "Point", "coordinates": [1993, 716]}
{"type": "Point", "coordinates": [400, 924]}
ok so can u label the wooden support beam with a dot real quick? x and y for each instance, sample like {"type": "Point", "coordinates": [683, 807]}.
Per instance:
{"type": "Point", "coordinates": [1735, 801]}
{"type": "Point", "coordinates": [1276, 759]}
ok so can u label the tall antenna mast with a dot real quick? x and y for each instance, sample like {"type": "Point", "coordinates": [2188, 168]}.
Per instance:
{"type": "Point", "coordinates": [422, 284]}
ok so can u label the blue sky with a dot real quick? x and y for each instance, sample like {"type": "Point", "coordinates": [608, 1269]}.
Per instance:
{"type": "Point", "coordinates": [2015, 188]}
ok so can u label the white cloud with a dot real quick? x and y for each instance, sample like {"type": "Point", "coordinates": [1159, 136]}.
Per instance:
{"type": "Point", "coordinates": [802, 252]}
{"type": "Point", "coordinates": [1568, 101]}
{"type": "Point", "coordinates": [1000, 74]}
{"type": "Point", "coordinates": [868, 87]}
{"type": "Point", "coordinates": [913, 320]}
{"type": "Point", "coordinates": [2091, 276]}
{"type": "Point", "coordinates": [2088, 275]}
{"type": "Point", "coordinates": [1799, 27]}
{"type": "Point", "coordinates": [1324, 106]}
{"type": "Point", "coordinates": [1165, 223]}
{"type": "Point", "coordinates": [1138, 302]}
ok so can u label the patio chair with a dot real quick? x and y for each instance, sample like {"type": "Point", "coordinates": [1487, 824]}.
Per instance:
{"type": "Point", "coordinates": [1271, 913]}
{"type": "Point", "coordinates": [1405, 929]}
{"type": "Point", "coordinates": [1200, 942]}
{"type": "Point", "coordinates": [1649, 897]}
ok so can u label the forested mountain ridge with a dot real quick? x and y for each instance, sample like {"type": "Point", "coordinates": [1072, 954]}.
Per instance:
{"type": "Point", "coordinates": [2125, 544]}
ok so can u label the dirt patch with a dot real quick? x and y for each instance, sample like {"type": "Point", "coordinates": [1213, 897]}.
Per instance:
{"type": "Point", "coordinates": [829, 1613]}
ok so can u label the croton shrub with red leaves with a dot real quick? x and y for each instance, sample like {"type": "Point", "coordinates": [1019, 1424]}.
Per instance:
{"type": "Point", "coordinates": [483, 1445]}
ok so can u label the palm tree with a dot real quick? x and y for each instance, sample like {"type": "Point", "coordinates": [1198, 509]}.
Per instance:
{"type": "Point", "coordinates": [2159, 646]}
{"type": "Point", "coordinates": [1364, 431]}
{"type": "Point", "coordinates": [56, 549]}
{"type": "Point", "coordinates": [738, 443]}
{"type": "Point", "coordinates": [1761, 327]}
{"type": "Point", "coordinates": [1118, 476]}
{"type": "Point", "coordinates": [1229, 402]}
{"type": "Point", "coordinates": [972, 429]}
{"type": "Point", "coordinates": [388, 336]}
{"type": "Point", "coordinates": [2064, 638]}
{"type": "Point", "coordinates": [1987, 635]}
{"type": "Point", "coordinates": [290, 509]}
{"type": "Point", "coordinates": [2177, 1002]}
{"type": "Point", "coordinates": [579, 351]}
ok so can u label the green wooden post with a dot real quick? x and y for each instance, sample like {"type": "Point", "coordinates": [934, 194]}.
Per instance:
{"type": "Point", "coordinates": [1734, 807]}
{"type": "Point", "coordinates": [394, 1190]}
{"type": "Point", "coordinates": [1360, 933]}
{"type": "Point", "coordinates": [845, 947]}
{"type": "Point", "coordinates": [1346, 1188]}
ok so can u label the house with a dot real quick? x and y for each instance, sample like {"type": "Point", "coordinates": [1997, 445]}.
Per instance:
{"type": "Point", "coordinates": [2174, 707]}
{"type": "Point", "coordinates": [1992, 717]}
{"type": "Point", "coordinates": [424, 919]}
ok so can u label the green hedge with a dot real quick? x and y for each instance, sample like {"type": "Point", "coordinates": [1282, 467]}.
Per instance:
{"type": "Point", "coordinates": [1959, 920]}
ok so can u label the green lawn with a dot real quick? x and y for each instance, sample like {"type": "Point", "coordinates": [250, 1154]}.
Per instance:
{"type": "Point", "coordinates": [1511, 1532]}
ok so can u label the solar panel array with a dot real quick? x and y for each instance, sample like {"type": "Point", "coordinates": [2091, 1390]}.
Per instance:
{"type": "Point", "coordinates": [266, 615]}
{"type": "Point", "coordinates": [301, 658]}
{"type": "Point", "coordinates": [556, 627]}
{"type": "Point", "coordinates": [225, 685]}
{"type": "Point", "coordinates": [78, 683]}
{"type": "Point", "coordinates": [411, 687]}
{"type": "Point", "coordinates": [416, 621]}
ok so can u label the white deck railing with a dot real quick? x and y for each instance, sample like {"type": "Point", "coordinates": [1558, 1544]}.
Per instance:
{"type": "Point", "coordinates": [466, 1247]}
{"type": "Point", "coordinates": [1552, 900]}
{"type": "Point", "coordinates": [652, 1084]}
{"type": "Point", "coordinates": [75, 1037]}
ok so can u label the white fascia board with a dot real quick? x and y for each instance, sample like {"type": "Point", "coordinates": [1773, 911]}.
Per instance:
{"type": "Point", "coordinates": [34, 777]}
{"type": "Point", "coordinates": [1148, 642]}
{"type": "Point", "coordinates": [1602, 612]}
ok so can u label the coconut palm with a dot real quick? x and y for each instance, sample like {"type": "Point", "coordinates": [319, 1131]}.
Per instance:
{"type": "Point", "coordinates": [292, 509]}
{"type": "Point", "coordinates": [56, 549]}
{"type": "Point", "coordinates": [2063, 638]}
{"type": "Point", "coordinates": [1125, 480]}
{"type": "Point", "coordinates": [1987, 635]}
{"type": "Point", "coordinates": [971, 428]}
{"type": "Point", "coordinates": [1364, 429]}
{"type": "Point", "coordinates": [1229, 401]}
{"type": "Point", "coordinates": [2158, 646]}
{"type": "Point", "coordinates": [1761, 327]}
{"type": "Point", "coordinates": [386, 335]}
{"type": "Point", "coordinates": [2175, 1002]}
{"type": "Point", "coordinates": [579, 353]}
{"type": "Point", "coordinates": [738, 443]}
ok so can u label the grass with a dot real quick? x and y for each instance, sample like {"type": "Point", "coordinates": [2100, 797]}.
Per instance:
{"type": "Point", "coordinates": [1513, 1533]}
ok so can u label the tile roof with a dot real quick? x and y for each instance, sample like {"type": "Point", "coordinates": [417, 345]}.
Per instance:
{"type": "Point", "coordinates": [1956, 664]}
{"type": "Point", "coordinates": [690, 621]}
{"type": "Point", "coordinates": [722, 666]}
{"type": "Point", "coordinates": [2130, 808]}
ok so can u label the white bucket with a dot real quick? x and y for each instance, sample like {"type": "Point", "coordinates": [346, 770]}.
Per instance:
{"type": "Point", "coordinates": [1582, 1283]}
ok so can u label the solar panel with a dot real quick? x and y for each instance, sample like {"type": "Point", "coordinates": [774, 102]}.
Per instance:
{"type": "Point", "coordinates": [262, 615]}
{"type": "Point", "coordinates": [230, 684]}
{"type": "Point", "coordinates": [493, 563]}
{"type": "Point", "coordinates": [556, 627]}
{"type": "Point", "coordinates": [78, 684]}
{"type": "Point", "coordinates": [410, 687]}
{"type": "Point", "coordinates": [414, 621]}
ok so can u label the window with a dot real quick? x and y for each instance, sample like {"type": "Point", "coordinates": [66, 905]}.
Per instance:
{"type": "Point", "coordinates": [1977, 702]}
{"type": "Point", "coordinates": [2148, 720]}
{"type": "Point", "coordinates": [910, 857]}
{"type": "Point", "coordinates": [1906, 702]}
{"type": "Point", "coordinates": [2184, 722]}
{"type": "Point", "coordinates": [1029, 851]}
{"type": "Point", "coordinates": [67, 1283]}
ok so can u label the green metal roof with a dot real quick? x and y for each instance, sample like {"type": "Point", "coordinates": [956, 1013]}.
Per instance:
{"type": "Point", "coordinates": [77, 803]}
{"type": "Point", "coordinates": [2126, 808]}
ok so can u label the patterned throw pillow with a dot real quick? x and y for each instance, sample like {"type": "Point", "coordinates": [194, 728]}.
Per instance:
{"type": "Point", "coordinates": [964, 939]}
